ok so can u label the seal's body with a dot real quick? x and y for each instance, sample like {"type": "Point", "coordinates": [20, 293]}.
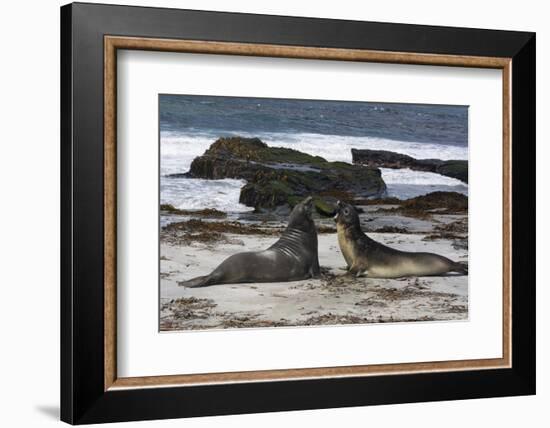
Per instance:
{"type": "Point", "coordinates": [293, 257]}
{"type": "Point", "coordinates": [364, 255]}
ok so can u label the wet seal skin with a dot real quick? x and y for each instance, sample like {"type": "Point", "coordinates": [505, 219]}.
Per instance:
{"type": "Point", "coordinates": [293, 257]}
{"type": "Point", "coordinates": [365, 256]}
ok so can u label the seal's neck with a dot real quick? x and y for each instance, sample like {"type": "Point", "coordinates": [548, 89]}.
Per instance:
{"type": "Point", "coordinates": [346, 227]}
{"type": "Point", "coordinates": [303, 225]}
{"type": "Point", "coordinates": [352, 230]}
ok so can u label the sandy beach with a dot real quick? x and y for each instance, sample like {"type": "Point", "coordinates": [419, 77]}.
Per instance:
{"type": "Point", "coordinates": [334, 298]}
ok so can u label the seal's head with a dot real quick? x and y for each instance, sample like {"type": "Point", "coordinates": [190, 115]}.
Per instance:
{"type": "Point", "coordinates": [346, 215]}
{"type": "Point", "coordinates": [301, 216]}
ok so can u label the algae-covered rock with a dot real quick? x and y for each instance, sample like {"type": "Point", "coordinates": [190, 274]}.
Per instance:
{"type": "Point", "coordinates": [434, 202]}
{"type": "Point", "coordinates": [450, 201]}
{"type": "Point", "coordinates": [323, 208]}
{"type": "Point", "coordinates": [278, 176]}
{"type": "Point", "coordinates": [454, 168]}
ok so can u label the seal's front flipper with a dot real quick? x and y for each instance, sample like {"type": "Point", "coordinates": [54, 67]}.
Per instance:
{"type": "Point", "coordinates": [357, 270]}
{"type": "Point", "coordinates": [354, 269]}
{"type": "Point", "coordinates": [315, 270]}
{"type": "Point", "coordinates": [346, 268]}
{"type": "Point", "coordinates": [361, 274]}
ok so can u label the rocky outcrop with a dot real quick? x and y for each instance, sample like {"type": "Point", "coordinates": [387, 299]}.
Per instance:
{"type": "Point", "coordinates": [281, 177]}
{"type": "Point", "coordinates": [432, 203]}
{"type": "Point", "coordinates": [385, 159]}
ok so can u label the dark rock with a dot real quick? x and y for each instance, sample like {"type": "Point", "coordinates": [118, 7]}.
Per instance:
{"type": "Point", "coordinates": [385, 159]}
{"type": "Point", "coordinates": [279, 176]}
{"type": "Point", "coordinates": [451, 201]}
{"type": "Point", "coordinates": [380, 201]}
{"type": "Point", "coordinates": [454, 168]}
{"type": "Point", "coordinates": [435, 202]}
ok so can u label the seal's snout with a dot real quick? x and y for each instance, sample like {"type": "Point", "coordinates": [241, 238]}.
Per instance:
{"type": "Point", "coordinates": [337, 210]}
{"type": "Point", "coordinates": [308, 204]}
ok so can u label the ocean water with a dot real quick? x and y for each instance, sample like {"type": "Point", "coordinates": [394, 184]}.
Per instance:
{"type": "Point", "coordinates": [190, 124]}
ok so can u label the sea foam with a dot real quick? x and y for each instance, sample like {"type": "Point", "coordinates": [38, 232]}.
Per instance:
{"type": "Point", "coordinates": [196, 194]}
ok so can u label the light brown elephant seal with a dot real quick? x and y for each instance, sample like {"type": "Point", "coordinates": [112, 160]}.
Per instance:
{"type": "Point", "coordinates": [365, 256]}
{"type": "Point", "coordinates": [293, 257]}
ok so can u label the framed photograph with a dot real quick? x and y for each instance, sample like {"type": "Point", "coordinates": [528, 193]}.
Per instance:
{"type": "Point", "coordinates": [266, 213]}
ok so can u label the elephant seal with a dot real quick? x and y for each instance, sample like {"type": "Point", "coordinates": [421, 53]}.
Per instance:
{"type": "Point", "coordinates": [293, 257]}
{"type": "Point", "coordinates": [365, 256]}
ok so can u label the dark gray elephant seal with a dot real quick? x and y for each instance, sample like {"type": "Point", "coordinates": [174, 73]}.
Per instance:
{"type": "Point", "coordinates": [293, 257]}
{"type": "Point", "coordinates": [365, 256]}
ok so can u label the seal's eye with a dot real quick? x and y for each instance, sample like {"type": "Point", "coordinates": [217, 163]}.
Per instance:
{"type": "Point", "coordinates": [346, 211]}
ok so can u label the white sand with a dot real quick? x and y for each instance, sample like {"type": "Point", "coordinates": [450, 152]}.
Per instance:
{"type": "Point", "coordinates": [336, 298]}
